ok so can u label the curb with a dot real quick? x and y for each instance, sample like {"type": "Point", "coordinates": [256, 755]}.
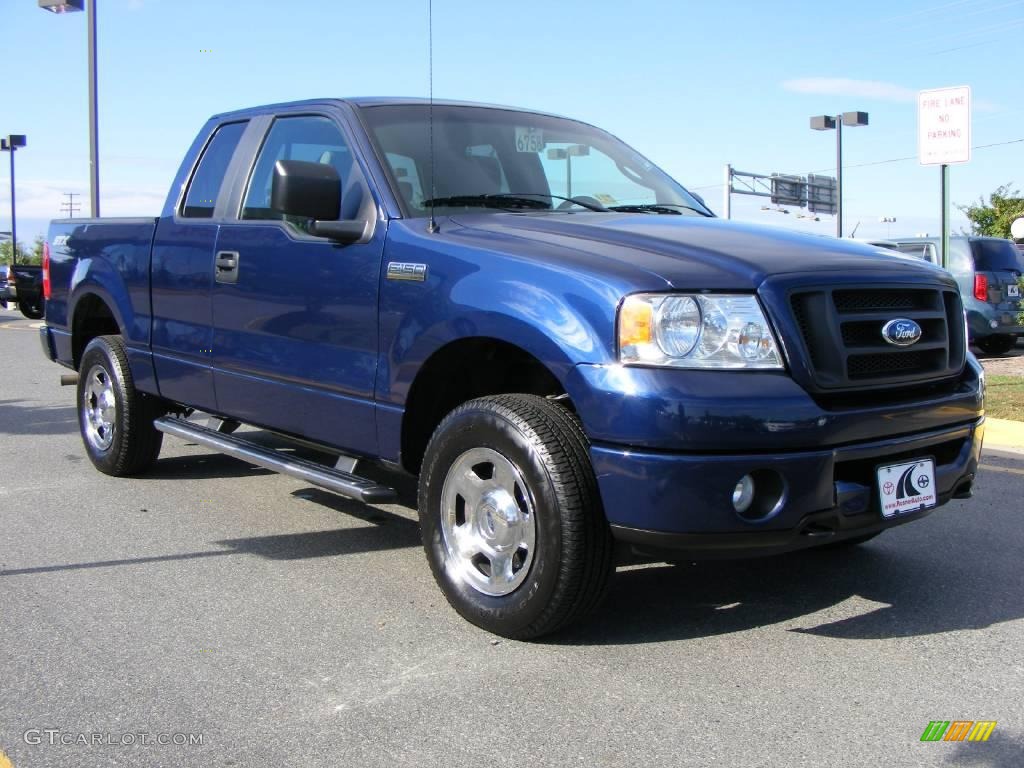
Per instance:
{"type": "Point", "coordinates": [1004, 434]}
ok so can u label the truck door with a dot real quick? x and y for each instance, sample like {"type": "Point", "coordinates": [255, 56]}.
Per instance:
{"type": "Point", "coordinates": [295, 316]}
{"type": "Point", "coordinates": [182, 276]}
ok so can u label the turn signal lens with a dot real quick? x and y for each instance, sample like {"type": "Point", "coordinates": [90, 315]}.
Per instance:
{"type": "Point", "coordinates": [635, 322]}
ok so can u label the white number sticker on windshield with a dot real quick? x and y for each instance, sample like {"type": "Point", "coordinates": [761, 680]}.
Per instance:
{"type": "Point", "coordinates": [529, 139]}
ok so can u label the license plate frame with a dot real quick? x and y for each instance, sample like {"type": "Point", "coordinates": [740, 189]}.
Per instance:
{"type": "Point", "coordinates": [900, 487]}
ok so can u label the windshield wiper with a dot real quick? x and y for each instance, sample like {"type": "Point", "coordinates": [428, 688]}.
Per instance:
{"type": "Point", "coordinates": [595, 206]}
{"type": "Point", "coordinates": [489, 201]}
{"type": "Point", "coordinates": [507, 200]}
{"type": "Point", "coordinates": [658, 208]}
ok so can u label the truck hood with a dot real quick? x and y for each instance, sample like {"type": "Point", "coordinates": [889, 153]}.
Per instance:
{"type": "Point", "coordinates": [691, 253]}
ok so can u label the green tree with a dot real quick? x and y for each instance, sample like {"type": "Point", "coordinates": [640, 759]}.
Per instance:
{"type": "Point", "coordinates": [25, 256]}
{"type": "Point", "coordinates": [995, 217]}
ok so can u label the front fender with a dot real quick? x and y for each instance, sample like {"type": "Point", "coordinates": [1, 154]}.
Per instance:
{"type": "Point", "coordinates": [559, 317]}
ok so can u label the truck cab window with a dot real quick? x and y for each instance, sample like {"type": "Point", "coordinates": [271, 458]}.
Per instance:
{"type": "Point", "coordinates": [209, 174]}
{"type": "Point", "coordinates": [310, 138]}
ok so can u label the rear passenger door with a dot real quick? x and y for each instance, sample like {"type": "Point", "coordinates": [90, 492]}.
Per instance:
{"type": "Point", "coordinates": [182, 274]}
{"type": "Point", "coordinates": [295, 321]}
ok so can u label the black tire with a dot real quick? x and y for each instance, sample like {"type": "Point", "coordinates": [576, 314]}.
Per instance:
{"type": "Point", "coordinates": [997, 344]}
{"type": "Point", "coordinates": [32, 311]}
{"type": "Point", "coordinates": [129, 443]}
{"type": "Point", "coordinates": [856, 541]}
{"type": "Point", "coordinates": [567, 572]}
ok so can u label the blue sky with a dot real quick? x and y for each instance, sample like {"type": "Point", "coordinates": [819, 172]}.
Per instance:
{"type": "Point", "coordinates": [691, 85]}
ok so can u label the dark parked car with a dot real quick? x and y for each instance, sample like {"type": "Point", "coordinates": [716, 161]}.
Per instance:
{"type": "Point", "coordinates": [988, 271]}
{"type": "Point", "coordinates": [22, 284]}
{"type": "Point", "coordinates": [25, 285]}
{"type": "Point", "coordinates": [8, 293]}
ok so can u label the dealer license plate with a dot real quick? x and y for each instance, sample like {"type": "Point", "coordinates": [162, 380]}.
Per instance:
{"type": "Point", "coordinates": [906, 487]}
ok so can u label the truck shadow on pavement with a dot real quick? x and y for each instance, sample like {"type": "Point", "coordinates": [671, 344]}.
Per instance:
{"type": "Point", "coordinates": [941, 574]}
{"type": "Point", "coordinates": [387, 532]}
{"type": "Point", "coordinates": [207, 466]}
{"type": "Point", "coordinates": [19, 417]}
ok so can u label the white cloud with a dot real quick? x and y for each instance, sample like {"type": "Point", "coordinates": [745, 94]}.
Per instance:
{"type": "Point", "coordinates": [842, 86]}
{"type": "Point", "coordinates": [869, 89]}
{"type": "Point", "coordinates": [42, 199]}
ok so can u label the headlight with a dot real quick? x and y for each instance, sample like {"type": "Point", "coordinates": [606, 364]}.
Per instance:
{"type": "Point", "coordinates": [696, 331]}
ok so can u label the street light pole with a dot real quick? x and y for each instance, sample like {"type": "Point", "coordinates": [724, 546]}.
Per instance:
{"type": "Point", "coordinates": [69, 6]}
{"type": "Point", "coordinates": [11, 144]}
{"type": "Point", "coordinates": [94, 128]}
{"type": "Point", "coordinates": [839, 176]}
{"type": "Point", "coordinates": [828, 123]}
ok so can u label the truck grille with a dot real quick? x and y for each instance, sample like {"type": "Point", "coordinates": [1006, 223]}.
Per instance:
{"type": "Point", "coordinates": [842, 334]}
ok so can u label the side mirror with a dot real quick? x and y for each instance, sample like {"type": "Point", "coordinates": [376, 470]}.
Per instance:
{"type": "Point", "coordinates": [313, 191]}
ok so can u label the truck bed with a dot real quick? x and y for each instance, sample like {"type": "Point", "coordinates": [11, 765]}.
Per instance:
{"type": "Point", "coordinates": [103, 257]}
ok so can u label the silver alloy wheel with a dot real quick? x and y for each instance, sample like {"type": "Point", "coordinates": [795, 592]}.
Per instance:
{"type": "Point", "coordinates": [487, 522]}
{"type": "Point", "coordinates": [99, 407]}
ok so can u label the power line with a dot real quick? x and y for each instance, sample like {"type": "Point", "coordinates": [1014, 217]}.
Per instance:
{"type": "Point", "coordinates": [878, 162]}
{"type": "Point", "coordinates": [914, 157]}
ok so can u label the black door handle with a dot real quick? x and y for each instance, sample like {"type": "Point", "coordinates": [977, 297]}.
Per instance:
{"type": "Point", "coordinates": [227, 266]}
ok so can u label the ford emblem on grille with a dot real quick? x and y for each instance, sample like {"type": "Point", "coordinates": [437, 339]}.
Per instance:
{"type": "Point", "coordinates": [901, 332]}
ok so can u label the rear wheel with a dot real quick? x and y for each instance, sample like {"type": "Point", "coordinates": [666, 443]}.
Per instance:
{"type": "Point", "coordinates": [511, 518]}
{"type": "Point", "coordinates": [997, 344]}
{"type": "Point", "coordinates": [115, 420]}
{"type": "Point", "coordinates": [31, 311]}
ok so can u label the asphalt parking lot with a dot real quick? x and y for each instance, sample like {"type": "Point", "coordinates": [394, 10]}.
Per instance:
{"type": "Point", "coordinates": [284, 626]}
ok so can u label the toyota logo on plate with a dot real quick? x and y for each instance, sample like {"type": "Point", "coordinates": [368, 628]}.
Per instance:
{"type": "Point", "coordinates": [901, 332]}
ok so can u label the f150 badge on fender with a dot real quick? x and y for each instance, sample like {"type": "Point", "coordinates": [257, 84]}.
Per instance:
{"type": "Point", "coordinates": [901, 332]}
{"type": "Point", "coordinates": [401, 270]}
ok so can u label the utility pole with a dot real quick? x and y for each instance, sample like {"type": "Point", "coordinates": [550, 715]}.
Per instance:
{"type": "Point", "coordinates": [11, 144]}
{"type": "Point", "coordinates": [69, 206]}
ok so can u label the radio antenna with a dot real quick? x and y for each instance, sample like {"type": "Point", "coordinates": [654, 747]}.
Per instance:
{"type": "Point", "coordinates": [432, 226]}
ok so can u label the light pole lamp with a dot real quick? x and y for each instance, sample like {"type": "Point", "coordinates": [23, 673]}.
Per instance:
{"type": "Point", "coordinates": [70, 6]}
{"type": "Point", "coordinates": [567, 154]}
{"type": "Point", "coordinates": [11, 144]}
{"type": "Point", "coordinates": [828, 123]}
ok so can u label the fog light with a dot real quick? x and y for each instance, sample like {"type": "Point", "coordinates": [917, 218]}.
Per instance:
{"type": "Point", "coordinates": [743, 494]}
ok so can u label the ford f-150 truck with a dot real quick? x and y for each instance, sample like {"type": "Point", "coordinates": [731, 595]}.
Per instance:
{"type": "Point", "coordinates": [578, 360]}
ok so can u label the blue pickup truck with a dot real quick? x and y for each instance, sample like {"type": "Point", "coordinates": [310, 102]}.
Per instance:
{"type": "Point", "coordinates": [578, 360]}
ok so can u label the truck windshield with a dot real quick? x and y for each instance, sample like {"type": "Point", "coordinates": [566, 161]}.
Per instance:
{"type": "Point", "coordinates": [491, 159]}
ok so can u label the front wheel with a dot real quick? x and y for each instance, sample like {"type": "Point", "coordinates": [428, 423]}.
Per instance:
{"type": "Point", "coordinates": [511, 517]}
{"type": "Point", "coordinates": [115, 419]}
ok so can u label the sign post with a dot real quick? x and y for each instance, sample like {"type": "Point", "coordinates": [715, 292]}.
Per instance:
{"type": "Point", "coordinates": [944, 138]}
